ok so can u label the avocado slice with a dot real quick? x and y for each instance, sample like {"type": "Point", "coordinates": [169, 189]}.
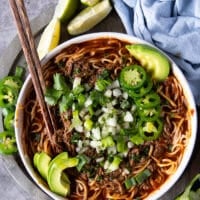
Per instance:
{"type": "Point", "coordinates": [35, 159]}
{"type": "Point", "coordinates": [57, 180]}
{"type": "Point", "coordinates": [43, 164]}
{"type": "Point", "coordinates": [150, 58]}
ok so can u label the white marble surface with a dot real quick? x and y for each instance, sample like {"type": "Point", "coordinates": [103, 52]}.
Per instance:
{"type": "Point", "coordinates": [9, 190]}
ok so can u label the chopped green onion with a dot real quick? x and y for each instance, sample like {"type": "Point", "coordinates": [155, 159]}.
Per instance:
{"type": "Point", "coordinates": [75, 137]}
{"type": "Point", "coordinates": [115, 164]}
{"type": "Point", "coordinates": [130, 182]}
{"type": "Point", "coordinates": [142, 176]}
{"type": "Point", "coordinates": [76, 122]}
{"type": "Point", "coordinates": [96, 133]}
{"type": "Point", "coordinates": [107, 141]}
{"type": "Point", "coordinates": [78, 90]}
{"type": "Point", "coordinates": [81, 99]}
{"type": "Point", "coordinates": [83, 159]}
{"type": "Point", "coordinates": [91, 110]}
{"type": "Point", "coordinates": [88, 124]}
{"type": "Point", "coordinates": [121, 145]}
{"type": "Point", "coordinates": [136, 139]}
{"type": "Point", "coordinates": [77, 82]}
{"type": "Point", "coordinates": [189, 193]}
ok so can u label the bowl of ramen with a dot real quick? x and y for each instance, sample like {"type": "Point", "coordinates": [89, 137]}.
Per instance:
{"type": "Point", "coordinates": [125, 117]}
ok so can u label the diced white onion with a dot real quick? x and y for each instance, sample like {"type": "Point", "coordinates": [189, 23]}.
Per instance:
{"type": "Point", "coordinates": [111, 130]}
{"type": "Point", "coordinates": [80, 143]}
{"type": "Point", "coordinates": [83, 149]}
{"type": "Point", "coordinates": [117, 92]}
{"type": "Point", "coordinates": [87, 134]}
{"type": "Point", "coordinates": [86, 142]}
{"type": "Point", "coordinates": [88, 102]}
{"type": "Point", "coordinates": [78, 149]}
{"type": "Point", "coordinates": [125, 172]}
{"type": "Point", "coordinates": [96, 134]}
{"type": "Point", "coordinates": [105, 109]}
{"type": "Point", "coordinates": [106, 164]}
{"type": "Point", "coordinates": [112, 150]}
{"type": "Point", "coordinates": [109, 106]}
{"type": "Point", "coordinates": [125, 154]}
{"type": "Point", "coordinates": [125, 95]}
{"type": "Point", "coordinates": [73, 107]}
{"type": "Point", "coordinates": [108, 93]}
{"type": "Point", "coordinates": [104, 131]}
{"type": "Point", "coordinates": [130, 144]}
{"type": "Point", "coordinates": [83, 112]}
{"type": "Point", "coordinates": [112, 121]}
{"type": "Point", "coordinates": [95, 144]}
{"type": "Point", "coordinates": [99, 159]}
{"type": "Point", "coordinates": [101, 119]}
{"type": "Point", "coordinates": [77, 81]}
{"type": "Point", "coordinates": [133, 108]}
{"type": "Point", "coordinates": [128, 117]}
{"type": "Point", "coordinates": [79, 128]}
{"type": "Point", "coordinates": [98, 112]}
{"type": "Point", "coordinates": [86, 117]}
{"type": "Point", "coordinates": [114, 102]}
{"type": "Point", "coordinates": [114, 84]}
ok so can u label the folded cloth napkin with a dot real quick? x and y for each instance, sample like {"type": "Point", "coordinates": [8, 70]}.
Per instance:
{"type": "Point", "coordinates": [171, 25]}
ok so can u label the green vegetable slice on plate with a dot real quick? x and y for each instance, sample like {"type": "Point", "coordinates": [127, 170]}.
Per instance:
{"type": "Point", "coordinates": [49, 38]}
{"type": "Point", "coordinates": [89, 2]}
{"type": "Point", "coordinates": [190, 192]}
{"type": "Point", "coordinates": [9, 90]}
{"type": "Point", "coordinates": [65, 9]}
{"type": "Point", "coordinates": [89, 17]}
{"type": "Point", "coordinates": [7, 143]}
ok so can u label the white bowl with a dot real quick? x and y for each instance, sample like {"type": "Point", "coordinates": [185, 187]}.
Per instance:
{"type": "Point", "coordinates": [176, 71]}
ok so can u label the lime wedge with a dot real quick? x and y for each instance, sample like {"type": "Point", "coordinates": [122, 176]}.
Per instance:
{"type": "Point", "coordinates": [89, 17]}
{"type": "Point", "coordinates": [89, 2]}
{"type": "Point", "coordinates": [49, 38]}
{"type": "Point", "coordinates": [65, 9]}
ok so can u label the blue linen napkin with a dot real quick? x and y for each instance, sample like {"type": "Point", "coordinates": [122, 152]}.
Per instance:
{"type": "Point", "coordinates": [171, 25]}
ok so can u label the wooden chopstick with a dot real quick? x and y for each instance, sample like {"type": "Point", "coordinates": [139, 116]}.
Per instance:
{"type": "Point", "coordinates": [34, 65]}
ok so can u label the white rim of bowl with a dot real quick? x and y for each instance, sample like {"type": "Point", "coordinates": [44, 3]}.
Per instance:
{"type": "Point", "coordinates": [169, 183]}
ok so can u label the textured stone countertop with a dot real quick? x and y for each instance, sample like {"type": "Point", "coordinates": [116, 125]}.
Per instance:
{"type": "Point", "coordinates": [9, 190]}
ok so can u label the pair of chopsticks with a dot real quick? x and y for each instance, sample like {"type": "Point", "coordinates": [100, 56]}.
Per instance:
{"type": "Point", "coordinates": [34, 65]}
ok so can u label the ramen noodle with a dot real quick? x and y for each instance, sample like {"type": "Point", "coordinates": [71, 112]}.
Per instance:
{"type": "Point", "coordinates": [161, 156]}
